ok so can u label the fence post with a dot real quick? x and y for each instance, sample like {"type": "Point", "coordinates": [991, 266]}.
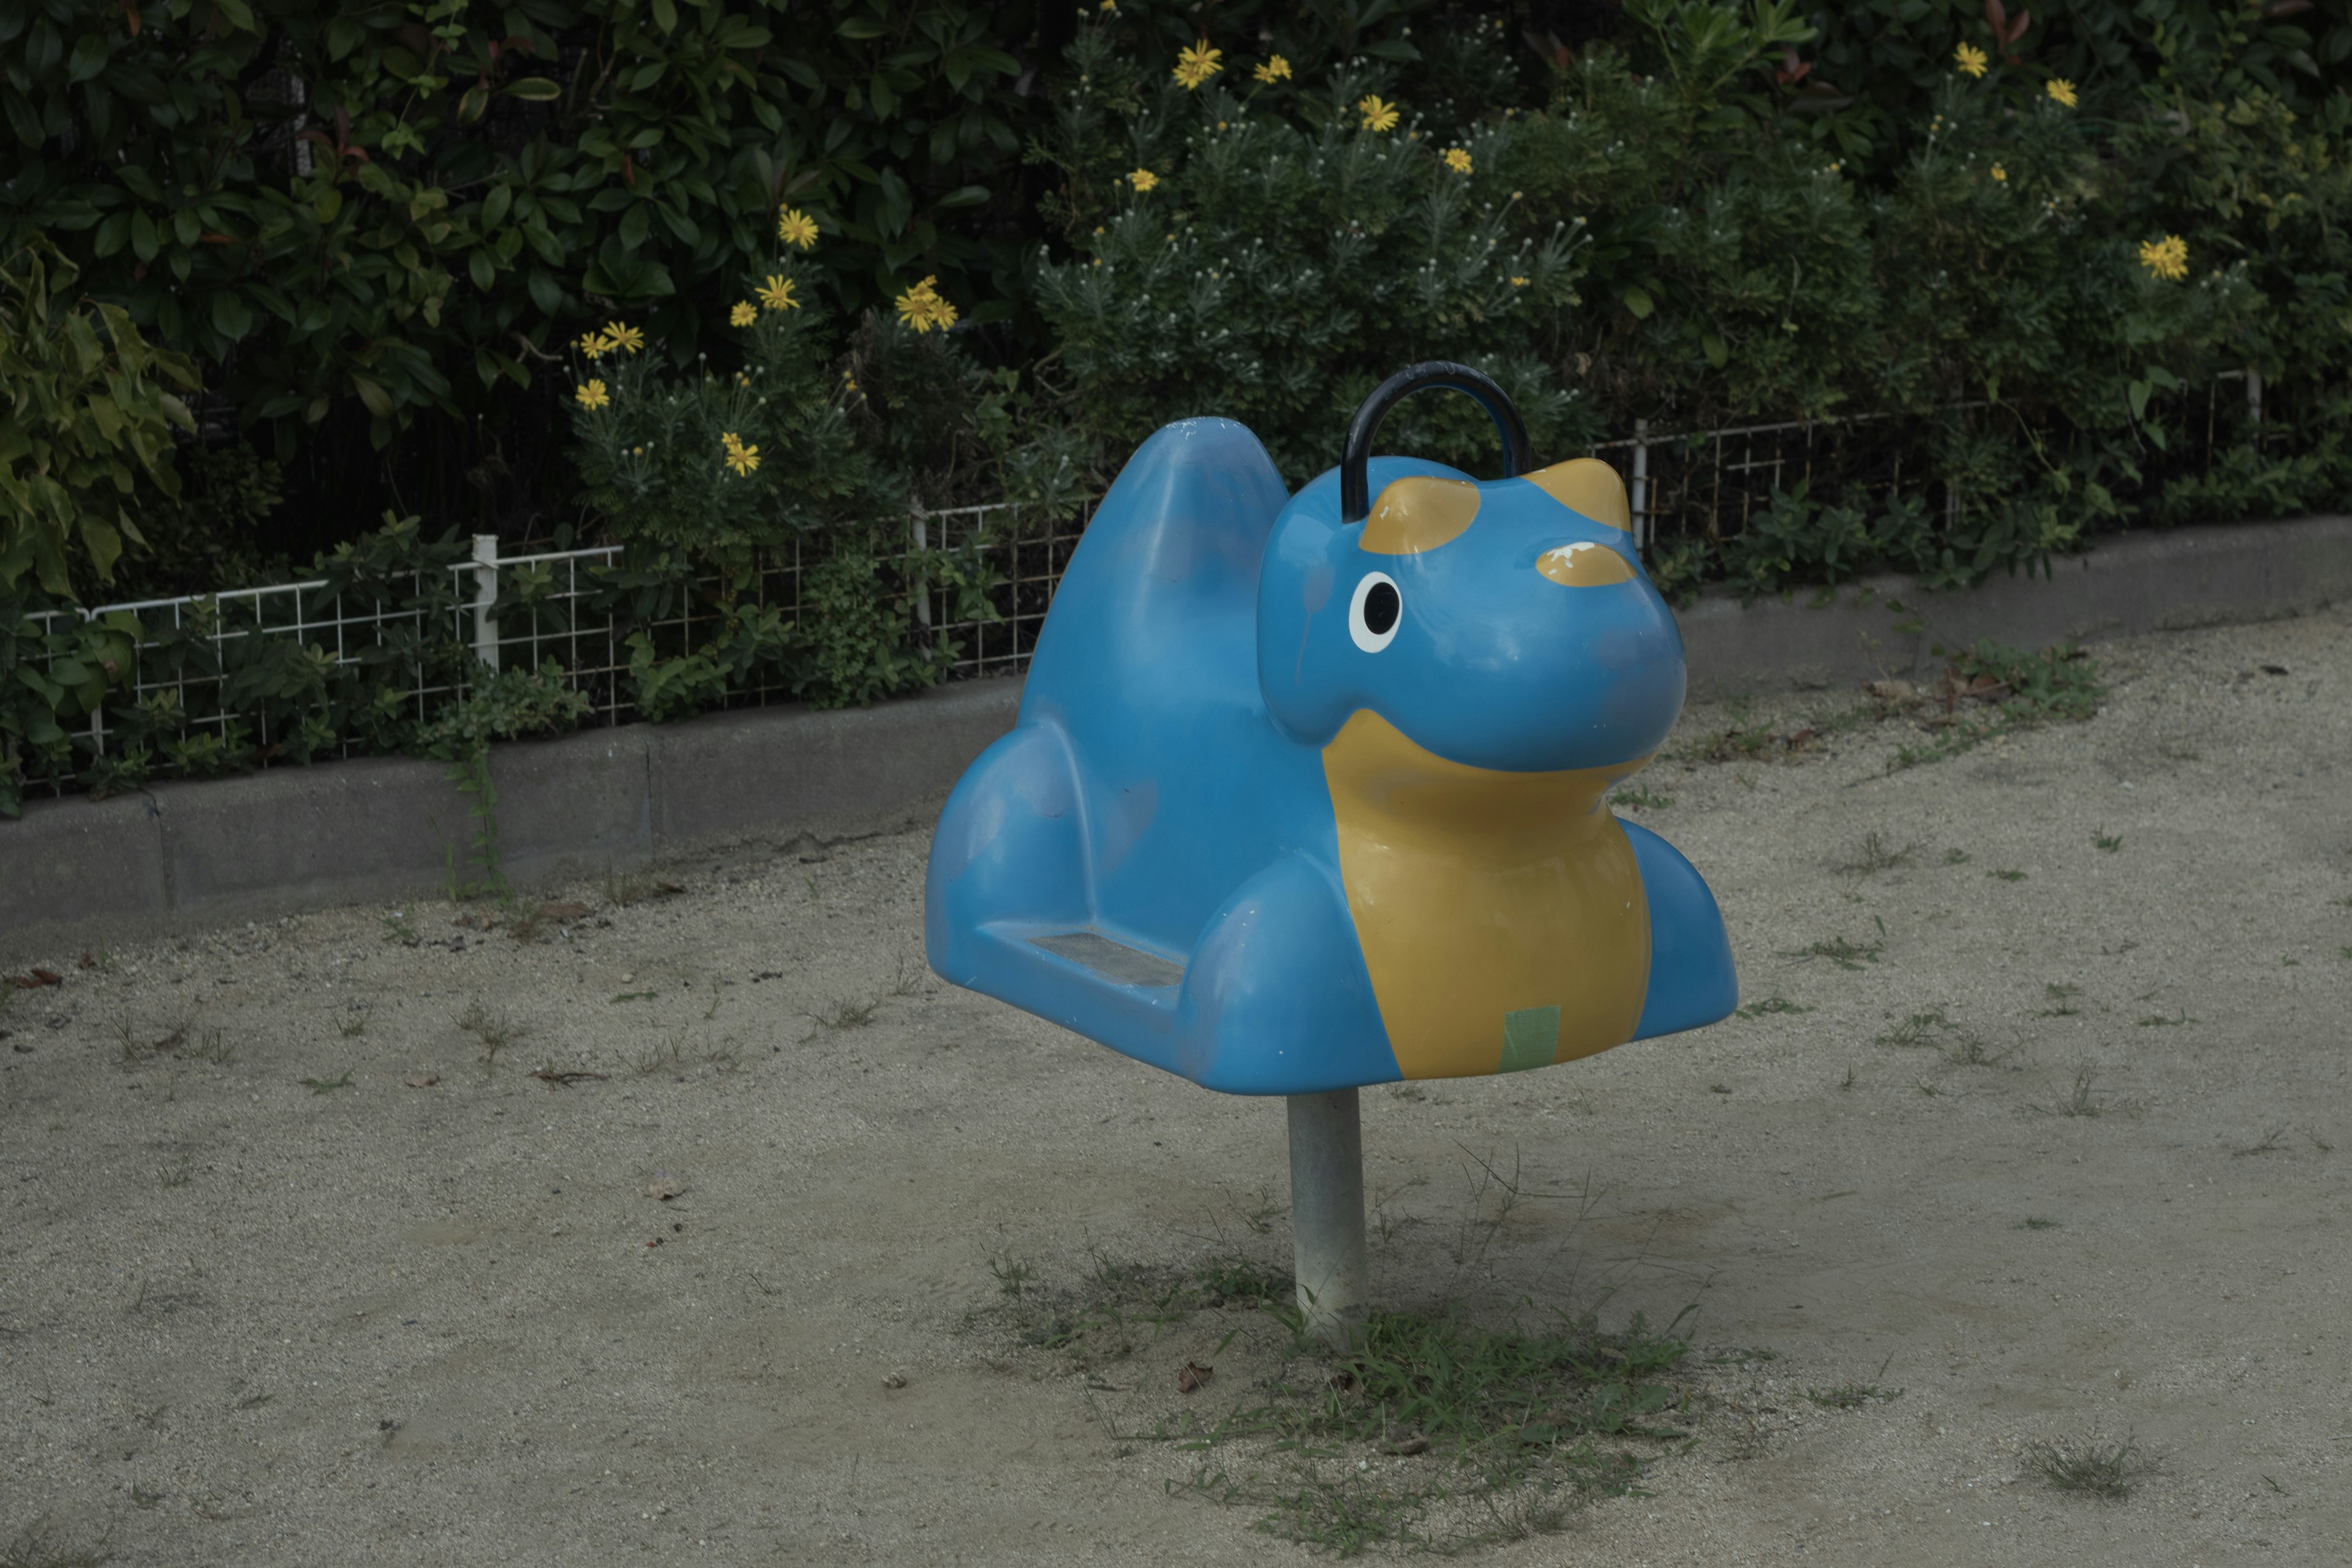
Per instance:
{"type": "Point", "coordinates": [486, 597]}
{"type": "Point", "coordinates": [1641, 484]}
{"type": "Point", "coordinates": [920, 522]}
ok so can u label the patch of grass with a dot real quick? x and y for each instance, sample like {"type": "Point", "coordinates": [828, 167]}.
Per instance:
{"type": "Point", "coordinates": [1876, 856]}
{"type": "Point", "coordinates": [325, 1086]}
{"type": "Point", "coordinates": [2091, 1465]}
{"type": "Point", "coordinates": [2106, 842]}
{"type": "Point", "coordinates": [1769, 1005]}
{"type": "Point", "coordinates": [1013, 1275]}
{"type": "Point", "coordinates": [1522, 1423]}
{"type": "Point", "coordinates": [494, 1027]}
{"type": "Point", "coordinates": [1956, 856]}
{"type": "Point", "coordinates": [2033, 1222]}
{"type": "Point", "coordinates": [1990, 690]}
{"type": "Point", "coordinates": [2158, 1021]}
{"type": "Point", "coordinates": [1641, 797]}
{"type": "Point", "coordinates": [396, 927]}
{"type": "Point", "coordinates": [2007, 876]}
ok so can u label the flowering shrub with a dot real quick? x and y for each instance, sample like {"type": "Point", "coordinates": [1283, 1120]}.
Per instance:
{"type": "Point", "coordinates": [1271, 257]}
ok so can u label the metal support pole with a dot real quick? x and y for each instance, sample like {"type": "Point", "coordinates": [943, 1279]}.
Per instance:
{"type": "Point", "coordinates": [1641, 497]}
{"type": "Point", "coordinates": [1327, 1214]}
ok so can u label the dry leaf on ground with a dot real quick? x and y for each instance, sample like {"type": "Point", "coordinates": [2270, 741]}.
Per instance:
{"type": "Point", "coordinates": [1193, 1375]}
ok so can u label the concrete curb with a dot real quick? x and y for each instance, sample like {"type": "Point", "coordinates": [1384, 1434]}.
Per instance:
{"type": "Point", "coordinates": [386, 828]}
{"type": "Point", "coordinates": [2131, 583]}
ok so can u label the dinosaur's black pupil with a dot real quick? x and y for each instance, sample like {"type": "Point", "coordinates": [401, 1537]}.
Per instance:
{"type": "Point", "coordinates": [1382, 606]}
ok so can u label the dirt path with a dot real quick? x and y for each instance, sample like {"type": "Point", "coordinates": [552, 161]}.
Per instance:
{"type": "Point", "coordinates": [247, 1319]}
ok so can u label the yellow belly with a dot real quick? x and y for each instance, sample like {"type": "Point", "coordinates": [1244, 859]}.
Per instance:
{"type": "Point", "coordinates": [1501, 914]}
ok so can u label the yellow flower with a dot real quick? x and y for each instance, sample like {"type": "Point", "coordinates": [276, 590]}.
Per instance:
{"type": "Point", "coordinates": [794, 227]}
{"type": "Point", "coordinates": [592, 395]}
{"type": "Point", "coordinates": [2060, 89]}
{"type": "Point", "coordinates": [1198, 64]}
{"type": "Point", "coordinates": [1142, 180]}
{"type": "Point", "coordinates": [594, 345]}
{"type": "Point", "coordinates": [921, 308]}
{"type": "Point", "coordinates": [2167, 257]}
{"type": "Point", "coordinates": [1970, 60]}
{"type": "Point", "coordinates": [1275, 69]}
{"type": "Point", "coordinates": [740, 457]}
{"type": "Point", "coordinates": [776, 293]}
{"type": "Point", "coordinates": [1457, 159]}
{"type": "Point", "coordinates": [1998, 173]}
{"type": "Point", "coordinates": [1378, 114]}
{"type": "Point", "coordinates": [743, 315]}
{"type": "Point", "coordinates": [620, 337]}
{"type": "Point", "coordinates": [1110, 5]}
{"type": "Point", "coordinates": [1518, 282]}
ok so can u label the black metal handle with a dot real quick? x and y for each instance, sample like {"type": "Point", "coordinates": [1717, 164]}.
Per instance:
{"type": "Point", "coordinates": [1354, 478]}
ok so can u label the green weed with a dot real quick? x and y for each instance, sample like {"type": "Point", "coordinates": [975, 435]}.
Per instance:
{"type": "Point", "coordinates": [2091, 1465]}
{"type": "Point", "coordinates": [494, 1027]}
{"type": "Point", "coordinates": [2008, 876]}
{"type": "Point", "coordinates": [1640, 798]}
{"type": "Point", "coordinates": [2061, 998]}
{"type": "Point", "coordinates": [850, 1013]}
{"type": "Point", "coordinates": [2081, 1102]}
{"type": "Point", "coordinates": [327, 1085]}
{"type": "Point", "coordinates": [2106, 842]}
{"type": "Point", "coordinates": [1876, 856]}
{"type": "Point", "coordinates": [1843, 953]}
{"type": "Point", "coordinates": [1852, 1396]}
{"type": "Point", "coordinates": [1771, 1004]}
{"type": "Point", "coordinates": [1956, 856]}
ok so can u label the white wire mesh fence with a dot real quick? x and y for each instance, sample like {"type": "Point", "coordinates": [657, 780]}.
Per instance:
{"type": "Point", "coordinates": [204, 662]}
{"type": "Point", "coordinates": [199, 661]}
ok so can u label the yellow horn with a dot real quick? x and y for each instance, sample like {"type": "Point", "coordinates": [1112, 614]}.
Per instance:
{"type": "Point", "coordinates": [1588, 485]}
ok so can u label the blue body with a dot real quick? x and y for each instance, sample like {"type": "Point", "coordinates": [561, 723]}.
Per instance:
{"type": "Point", "coordinates": [1150, 858]}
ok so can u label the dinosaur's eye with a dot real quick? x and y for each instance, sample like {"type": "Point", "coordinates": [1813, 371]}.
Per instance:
{"type": "Point", "coordinates": [1373, 615]}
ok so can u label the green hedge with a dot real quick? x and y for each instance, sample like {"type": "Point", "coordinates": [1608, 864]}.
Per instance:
{"type": "Point", "coordinates": [379, 232]}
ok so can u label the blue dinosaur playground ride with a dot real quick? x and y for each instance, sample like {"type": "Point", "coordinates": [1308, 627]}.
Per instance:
{"type": "Point", "coordinates": [1306, 792]}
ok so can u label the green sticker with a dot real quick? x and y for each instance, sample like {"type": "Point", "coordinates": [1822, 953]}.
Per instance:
{"type": "Point", "coordinates": [1530, 1038]}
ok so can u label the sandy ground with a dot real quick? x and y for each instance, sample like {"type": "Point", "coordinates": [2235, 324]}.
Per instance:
{"type": "Point", "coordinates": [250, 1320]}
